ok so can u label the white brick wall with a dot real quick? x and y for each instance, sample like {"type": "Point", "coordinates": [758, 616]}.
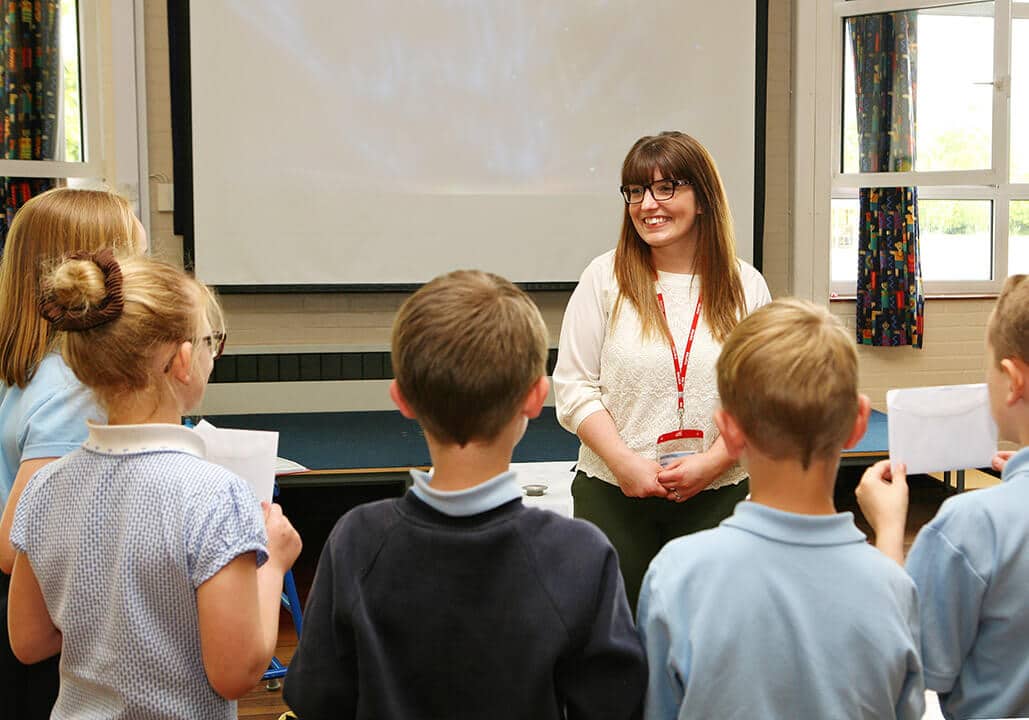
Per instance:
{"type": "Point", "coordinates": [163, 242]}
{"type": "Point", "coordinates": [776, 266]}
{"type": "Point", "coordinates": [953, 351]}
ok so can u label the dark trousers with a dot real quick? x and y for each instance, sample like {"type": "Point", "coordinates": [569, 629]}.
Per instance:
{"type": "Point", "coordinates": [639, 527]}
{"type": "Point", "coordinates": [26, 691]}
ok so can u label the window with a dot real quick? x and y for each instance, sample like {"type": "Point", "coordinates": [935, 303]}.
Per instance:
{"type": "Point", "coordinates": [74, 150]}
{"type": "Point", "coordinates": [1018, 238]}
{"type": "Point", "coordinates": [967, 151]}
{"type": "Point", "coordinates": [99, 107]}
{"type": "Point", "coordinates": [71, 96]}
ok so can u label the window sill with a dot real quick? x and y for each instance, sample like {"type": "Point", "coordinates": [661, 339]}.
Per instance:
{"type": "Point", "coordinates": [937, 296]}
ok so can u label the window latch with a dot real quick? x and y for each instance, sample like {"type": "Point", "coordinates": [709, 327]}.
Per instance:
{"type": "Point", "coordinates": [1001, 84]}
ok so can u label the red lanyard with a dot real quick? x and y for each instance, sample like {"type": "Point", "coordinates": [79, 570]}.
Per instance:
{"type": "Point", "coordinates": [680, 370]}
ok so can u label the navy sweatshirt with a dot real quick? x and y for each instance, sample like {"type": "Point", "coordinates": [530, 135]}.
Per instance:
{"type": "Point", "coordinates": [511, 613]}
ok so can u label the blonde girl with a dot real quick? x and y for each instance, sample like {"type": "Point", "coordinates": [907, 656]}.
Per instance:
{"type": "Point", "coordinates": [43, 407]}
{"type": "Point", "coordinates": [635, 376]}
{"type": "Point", "coordinates": [154, 572]}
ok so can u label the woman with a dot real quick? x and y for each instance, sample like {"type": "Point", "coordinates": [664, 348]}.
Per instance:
{"type": "Point", "coordinates": [43, 408]}
{"type": "Point", "coordinates": [635, 376]}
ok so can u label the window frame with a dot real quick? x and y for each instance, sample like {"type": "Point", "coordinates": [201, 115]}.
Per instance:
{"type": "Point", "coordinates": [112, 97]}
{"type": "Point", "coordinates": [986, 184]}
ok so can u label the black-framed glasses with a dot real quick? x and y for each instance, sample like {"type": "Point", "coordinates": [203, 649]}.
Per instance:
{"type": "Point", "coordinates": [659, 190]}
{"type": "Point", "coordinates": [215, 342]}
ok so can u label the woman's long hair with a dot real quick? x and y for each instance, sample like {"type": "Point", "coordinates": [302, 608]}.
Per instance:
{"type": "Point", "coordinates": [47, 228]}
{"type": "Point", "coordinates": [679, 156]}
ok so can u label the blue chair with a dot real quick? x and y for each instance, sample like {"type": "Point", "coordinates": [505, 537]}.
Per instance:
{"type": "Point", "coordinates": [291, 601]}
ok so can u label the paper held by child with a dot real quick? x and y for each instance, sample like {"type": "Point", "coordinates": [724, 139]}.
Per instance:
{"type": "Point", "coordinates": [934, 429]}
{"type": "Point", "coordinates": [251, 454]}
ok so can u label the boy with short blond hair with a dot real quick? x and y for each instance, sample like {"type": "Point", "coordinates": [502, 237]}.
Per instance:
{"type": "Point", "coordinates": [784, 610]}
{"type": "Point", "coordinates": [456, 601]}
{"type": "Point", "coordinates": [971, 562]}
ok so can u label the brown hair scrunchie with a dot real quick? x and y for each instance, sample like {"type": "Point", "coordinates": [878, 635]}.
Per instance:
{"type": "Point", "coordinates": [108, 309]}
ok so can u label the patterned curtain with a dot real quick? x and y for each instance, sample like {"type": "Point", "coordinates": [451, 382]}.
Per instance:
{"type": "Point", "coordinates": [30, 75]}
{"type": "Point", "coordinates": [890, 303]}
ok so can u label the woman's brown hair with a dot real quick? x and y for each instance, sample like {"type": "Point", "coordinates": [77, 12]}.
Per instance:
{"type": "Point", "coordinates": [47, 228]}
{"type": "Point", "coordinates": [679, 156]}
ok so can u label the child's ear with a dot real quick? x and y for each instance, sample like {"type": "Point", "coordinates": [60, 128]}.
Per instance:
{"type": "Point", "coordinates": [181, 365]}
{"type": "Point", "coordinates": [860, 422]}
{"type": "Point", "coordinates": [1017, 373]}
{"type": "Point", "coordinates": [731, 432]}
{"type": "Point", "coordinates": [400, 401]}
{"type": "Point", "coordinates": [535, 398]}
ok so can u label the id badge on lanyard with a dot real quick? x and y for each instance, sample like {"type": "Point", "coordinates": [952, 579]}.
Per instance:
{"type": "Point", "coordinates": [683, 441]}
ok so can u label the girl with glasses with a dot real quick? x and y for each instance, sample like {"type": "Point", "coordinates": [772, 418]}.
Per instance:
{"type": "Point", "coordinates": [156, 573]}
{"type": "Point", "coordinates": [635, 376]}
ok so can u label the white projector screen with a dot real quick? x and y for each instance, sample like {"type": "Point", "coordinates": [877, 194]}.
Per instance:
{"type": "Point", "coordinates": [343, 142]}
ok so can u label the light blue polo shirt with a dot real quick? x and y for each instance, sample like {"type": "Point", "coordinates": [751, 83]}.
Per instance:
{"type": "Point", "coordinates": [971, 566]}
{"type": "Point", "coordinates": [46, 418]}
{"type": "Point", "coordinates": [779, 615]}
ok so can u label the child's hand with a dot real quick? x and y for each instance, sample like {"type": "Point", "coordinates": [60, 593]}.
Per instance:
{"type": "Point", "coordinates": [1001, 459]}
{"type": "Point", "coordinates": [283, 540]}
{"type": "Point", "coordinates": [883, 497]}
{"type": "Point", "coordinates": [637, 476]}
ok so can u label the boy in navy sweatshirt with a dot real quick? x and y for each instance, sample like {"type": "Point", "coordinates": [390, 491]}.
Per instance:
{"type": "Point", "coordinates": [456, 601]}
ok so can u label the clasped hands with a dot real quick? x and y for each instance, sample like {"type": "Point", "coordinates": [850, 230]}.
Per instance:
{"type": "Point", "coordinates": [679, 481]}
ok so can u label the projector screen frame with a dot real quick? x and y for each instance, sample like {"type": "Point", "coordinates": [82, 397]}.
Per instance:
{"type": "Point", "coordinates": [182, 162]}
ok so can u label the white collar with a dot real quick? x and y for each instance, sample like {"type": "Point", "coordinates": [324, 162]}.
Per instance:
{"type": "Point", "coordinates": [130, 439]}
{"type": "Point", "coordinates": [477, 499]}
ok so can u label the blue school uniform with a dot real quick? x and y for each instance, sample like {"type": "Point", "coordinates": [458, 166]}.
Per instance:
{"type": "Point", "coordinates": [971, 566]}
{"type": "Point", "coordinates": [779, 615]}
{"type": "Point", "coordinates": [46, 418]}
{"type": "Point", "coordinates": [120, 534]}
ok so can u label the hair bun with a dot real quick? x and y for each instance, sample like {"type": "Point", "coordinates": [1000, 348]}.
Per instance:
{"type": "Point", "coordinates": [77, 285]}
{"type": "Point", "coordinates": [84, 292]}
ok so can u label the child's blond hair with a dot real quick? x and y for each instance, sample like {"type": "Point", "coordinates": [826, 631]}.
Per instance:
{"type": "Point", "coordinates": [47, 228]}
{"type": "Point", "coordinates": [162, 306]}
{"type": "Point", "coordinates": [467, 348]}
{"type": "Point", "coordinates": [1008, 328]}
{"type": "Point", "coordinates": [788, 374]}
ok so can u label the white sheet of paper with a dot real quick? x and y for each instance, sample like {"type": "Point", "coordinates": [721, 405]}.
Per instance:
{"type": "Point", "coordinates": [933, 429]}
{"type": "Point", "coordinates": [248, 453]}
